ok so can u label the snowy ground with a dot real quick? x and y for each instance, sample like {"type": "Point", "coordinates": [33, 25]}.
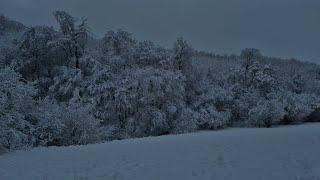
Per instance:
{"type": "Point", "coordinates": [286, 153]}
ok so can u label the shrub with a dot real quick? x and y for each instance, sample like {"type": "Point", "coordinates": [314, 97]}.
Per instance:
{"type": "Point", "coordinates": [266, 113]}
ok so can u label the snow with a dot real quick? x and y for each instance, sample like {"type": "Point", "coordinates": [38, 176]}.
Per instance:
{"type": "Point", "coordinates": [283, 153]}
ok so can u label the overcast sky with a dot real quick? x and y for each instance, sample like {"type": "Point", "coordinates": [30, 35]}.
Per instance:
{"type": "Point", "coordinates": [284, 28]}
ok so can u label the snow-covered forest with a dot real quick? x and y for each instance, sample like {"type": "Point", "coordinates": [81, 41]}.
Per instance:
{"type": "Point", "coordinates": [61, 87]}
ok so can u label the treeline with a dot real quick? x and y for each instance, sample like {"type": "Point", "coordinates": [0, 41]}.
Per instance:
{"type": "Point", "coordinates": [60, 88]}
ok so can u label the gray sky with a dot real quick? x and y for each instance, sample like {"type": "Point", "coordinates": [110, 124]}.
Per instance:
{"type": "Point", "coordinates": [283, 28]}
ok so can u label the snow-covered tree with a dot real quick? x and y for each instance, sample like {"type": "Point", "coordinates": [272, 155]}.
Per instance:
{"type": "Point", "coordinates": [183, 53]}
{"type": "Point", "coordinates": [118, 43]}
{"type": "Point", "coordinates": [9, 26]}
{"type": "Point", "coordinates": [264, 80]}
{"type": "Point", "coordinates": [65, 84]}
{"type": "Point", "coordinates": [66, 21]}
{"type": "Point", "coordinates": [297, 84]}
{"type": "Point", "coordinates": [16, 102]}
{"type": "Point", "coordinates": [76, 34]}
{"type": "Point", "coordinates": [146, 53]}
{"type": "Point", "coordinates": [150, 92]}
{"type": "Point", "coordinates": [65, 88]}
{"type": "Point", "coordinates": [249, 56]}
{"type": "Point", "coordinates": [34, 49]}
{"type": "Point", "coordinates": [137, 99]}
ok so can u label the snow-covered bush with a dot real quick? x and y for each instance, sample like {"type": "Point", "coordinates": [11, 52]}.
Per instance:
{"type": "Point", "coordinates": [49, 126]}
{"type": "Point", "coordinates": [211, 118]}
{"type": "Point", "coordinates": [63, 125]}
{"type": "Point", "coordinates": [213, 108]}
{"type": "Point", "coordinates": [186, 122]}
{"type": "Point", "coordinates": [243, 101]}
{"type": "Point", "coordinates": [147, 121]}
{"type": "Point", "coordinates": [299, 106]}
{"type": "Point", "coordinates": [266, 113]}
{"type": "Point", "coordinates": [79, 126]}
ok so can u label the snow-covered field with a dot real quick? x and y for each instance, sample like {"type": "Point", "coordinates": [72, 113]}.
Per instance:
{"type": "Point", "coordinates": [285, 153]}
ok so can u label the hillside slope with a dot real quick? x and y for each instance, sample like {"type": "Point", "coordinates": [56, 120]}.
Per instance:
{"type": "Point", "coordinates": [280, 153]}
